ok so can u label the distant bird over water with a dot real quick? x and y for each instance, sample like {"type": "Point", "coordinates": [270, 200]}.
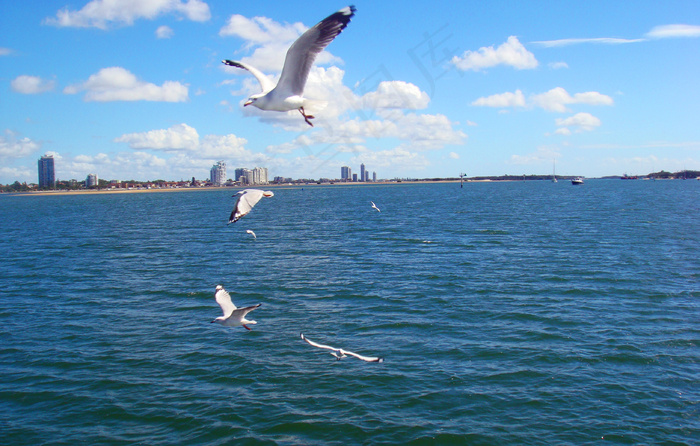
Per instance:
{"type": "Point", "coordinates": [375, 206]}
{"type": "Point", "coordinates": [233, 317]}
{"type": "Point", "coordinates": [288, 93]}
{"type": "Point", "coordinates": [246, 200]}
{"type": "Point", "coordinates": [339, 353]}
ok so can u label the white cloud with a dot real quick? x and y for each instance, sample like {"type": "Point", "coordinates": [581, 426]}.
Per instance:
{"type": "Point", "coordinates": [13, 147]}
{"type": "Point", "coordinates": [557, 65]}
{"type": "Point", "coordinates": [502, 100]}
{"type": "Point", "coordinates": [555, 100]}
{"type": "Point", "coordinates": [185, 139]}
{"type": "Point", "coordinates": [164, 32]}
{"type": "Point", "coordinates": [102, 13]}
{"type": "Point", "coordinates": [597, 40]}
{"type": "Point", "coordinates": [511, 53]}
{"type": "Point", "coordinates": [454, 155]}
{"type": "Point", "coordinates": [666, 31]}
{"type": "Point", "coordinates": [177, 137]}
{"type": "Point", "coordinates": [580, 121]}
{"type": "Point", "coordinates": [396, 94]}
{"type": "Point", "coordinates": [5, 51]}
{"type": "Point", "coordinates": [31, 85]}
{"type": "Point", "coordinates": [260, 30]}
{"type": "Point", "coordinates": [558, 98]}
{"type": "Point", "coordinates": [119, 84]}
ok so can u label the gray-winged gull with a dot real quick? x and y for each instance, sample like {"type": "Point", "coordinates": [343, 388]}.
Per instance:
{"type": "Point", "coordinates": [339, 353]}
{"type": "Point", "coordinates": [288, 93]}
{"type": "Point", "coordinates": [233, 317]}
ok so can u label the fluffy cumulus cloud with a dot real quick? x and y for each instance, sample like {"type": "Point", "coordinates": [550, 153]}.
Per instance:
{"type": "Point", "coordinates": [31, 85]}
{"type": "Point", "coordinates": [396, 94]}
{"type": "Point", "coordinates": [668, 31]}
{"type": "Point", "coordinates": [12, 146]}
{"type": "Point", "coordinates": [119, 84]}
{"type": "Point", "coordinates": [580, 122]}
{"type": "Point", "coordinates": [177, 137]}
{"type": "Point", "coordinates": [555, 100]}
{"type": "Point", "coordinates": [184, 139]}
{"type": "Point", "coordinates": [503, 100]}
{"type": "Point", "coordinates": [510, 53]}
{"type": "Point", "coordinates": [558, 98]}
{"type": "Point", "coordinates": [103, 13]}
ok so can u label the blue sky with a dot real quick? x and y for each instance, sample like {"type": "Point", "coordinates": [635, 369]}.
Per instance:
{"type": "Point", "coordinates": [137, 90]}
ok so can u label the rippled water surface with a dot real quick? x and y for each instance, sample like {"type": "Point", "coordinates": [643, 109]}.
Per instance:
{"type": "Point", "coordinates": [507, 313]}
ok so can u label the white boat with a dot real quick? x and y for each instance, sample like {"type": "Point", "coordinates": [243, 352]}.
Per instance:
{"type": "Point", "coordinates": [577, 180]}
{"type": "Point", "coordinates": [554, 173]}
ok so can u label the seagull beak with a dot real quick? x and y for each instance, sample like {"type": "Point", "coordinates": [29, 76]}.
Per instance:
{"type": "Point", "coordinates": [248, 102]}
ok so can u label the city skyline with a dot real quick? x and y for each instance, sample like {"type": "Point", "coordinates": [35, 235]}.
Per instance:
{"type": "Point", "coordinates": [602, 88]}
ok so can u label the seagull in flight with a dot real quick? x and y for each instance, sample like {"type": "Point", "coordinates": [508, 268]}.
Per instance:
{"type": "Point", "coordinates": [251, 233]}
{"type": "Point", "coordinates": [233, 317]}
{"type": "Point", "coordinates": [288, 93]}
{"type": "Point", "coordinates": [375, 206]}
{"type": "Point", "coordinates": [339, 353]}
{"type": "Point", "coordinates": [246, 200]}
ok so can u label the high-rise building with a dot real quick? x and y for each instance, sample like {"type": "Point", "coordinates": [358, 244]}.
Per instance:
{"type": "Point", "coordinates": [92, 180]}
{"type": "Point", "coordinates": [345, 173]}
{"type": "Point", "coordinates": [257, 175]}
{"type": "Point", "coordinates": [374, 177]}
{"type": "Point", "coordinates": [47, 177]}
{"type": "Point", "coordinates": [362, 172]}
{"type": "Point", "coordinates": [260, 175]}
{"type": "Point", "coordinates": [218, 173]}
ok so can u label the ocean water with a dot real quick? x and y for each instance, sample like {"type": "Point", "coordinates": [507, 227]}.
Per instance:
{"type": "Point", "coordinates": [506, 313]}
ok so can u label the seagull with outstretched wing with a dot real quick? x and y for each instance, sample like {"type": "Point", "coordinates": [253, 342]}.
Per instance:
{"type": "Point", "coordinates": [288, 93]}
{"type": "Point", "coordinates": [247, 198]}
{"type": "Point", "coordinates": [340, 353]}
{"type": "Point", "coordinates": [233, 317]}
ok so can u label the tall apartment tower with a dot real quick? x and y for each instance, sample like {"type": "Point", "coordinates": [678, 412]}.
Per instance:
{"type": "Point", "coordinates": [47, 176]}
{"type": "Point", "coordinates": [218, 173]}
{"type": "Point", "coordinates": [362, 172]}
{"type": "Point", "coordinates": [345, 173]}
{"type": "Point", "coordinates": [92, 180]}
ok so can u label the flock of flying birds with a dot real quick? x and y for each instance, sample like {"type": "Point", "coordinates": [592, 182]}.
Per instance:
{"type": "Point", "coordinates": [286, 95]}
{"type": "Point", "coordinates": [236, 317]}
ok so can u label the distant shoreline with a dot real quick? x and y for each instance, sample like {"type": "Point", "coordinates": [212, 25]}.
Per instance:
{"type": "Point", "coordinates": [213, 188]}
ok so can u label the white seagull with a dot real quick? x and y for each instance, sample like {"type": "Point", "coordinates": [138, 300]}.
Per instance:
{"type": "Point", "coordinates": [288, 93]}
{"type": "Point", "coordinates": [251, 233]}
{"type": "Point", "coordinates": [339, 353]}
{"type": "Point", "coordinates": [375, 206]}
{"type": "Point", "coordinates": [247, 199]}
{"type": "Point", "coordinates": [233, 317]}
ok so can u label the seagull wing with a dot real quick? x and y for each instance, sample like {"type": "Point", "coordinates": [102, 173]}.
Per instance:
{"type": "Point", "coordinates": [265, 83]}
{"type": "Point", "coordinates": [223, 298]}
{"type": "Point", "coordinates": [246, 200]}
{"type": "Point", "coordinates": [303, 52]}
{"type": "Point", "coordinates": [239, 313]}
{"type": "Point", "coordinates": [364, 358]}
{"type": "Point", "coordinates": [316, 344]}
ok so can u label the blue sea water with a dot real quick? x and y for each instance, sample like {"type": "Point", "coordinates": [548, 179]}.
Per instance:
{"type": "Point", "coordinates": [506, 313]}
